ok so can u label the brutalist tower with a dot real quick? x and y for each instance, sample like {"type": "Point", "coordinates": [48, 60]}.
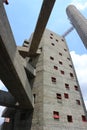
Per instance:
{"type": "Point", "coordinates": [45, 92]}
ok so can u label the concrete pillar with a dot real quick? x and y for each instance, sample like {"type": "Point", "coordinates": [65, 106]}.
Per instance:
{"type": "Point", "coordinates": [78, 21]}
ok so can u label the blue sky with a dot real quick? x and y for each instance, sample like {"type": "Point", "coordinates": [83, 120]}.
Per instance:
{"type": "Point", "coordinates": [23, 16]}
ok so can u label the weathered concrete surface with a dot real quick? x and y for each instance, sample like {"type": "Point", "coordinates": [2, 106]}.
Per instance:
{"type": "Point", "coordinates": [79, 22]}
{"type": "Point", "coordinates": [12, 72]}
{"type": "Point", "coordinates": [41, 24]}
{"type": "Point", "coordinates": [6, 99]}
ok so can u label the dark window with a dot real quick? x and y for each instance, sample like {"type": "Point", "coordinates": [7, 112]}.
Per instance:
{"type": "Point", "coordinates": [58, 95]}
{"type": "Point", "coordinates": [68, 58]}
{"type": "Point", "coordinates": [52, 44]}
{"type": "Point", "coordinates": [52, 58]}
{"type": "Point", "coordinates": [71, 75]}
{"type": "Point", "coordinates": [53, 79]}
{"type": "Point", "coordinates": [51, 37]}
{"type": "Point", "coordinates": [56, 40]}
{"type": "Point", "coordinates": [70, 66]}
{"type": "Point", "coordinates": [66, 95]}
{"type": "Point", "coordinates": [60, 62]}
{"type": "Point", "coordinates": [78, 102]}
{"type": "Point", "coordinates": [69, 118]}
{"type": "Point", "coordinates": [76, 88]}
{"type": "Point", "coordinates": [34, 95]}
{"type": "Point", "coordinates": [84, 118]}
{"type": "Point", "coordinates": [62, 40]}
{"type": "Point", "coordinates": [56, 115]}
{"type": "Point", "coordinates": [60, 53]}
{"type": "Point", "coordinates": [51, 34]}
{"type": "Point", "coordinates": [62, 72]}
{"type": "Point", "coordinates": [67, 86]}
{"type": "Point", "coordinates": [65, 49]}
{"type": "Point", "coordinates": [55, 67]}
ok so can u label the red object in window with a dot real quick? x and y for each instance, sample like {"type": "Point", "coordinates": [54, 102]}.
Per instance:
{"type": "Point", "coordinates": [66, 95]}
{"type": "Point", "coordinates": [58, 96]}
{"type": "Point", "coordinates": [56, 116]}
{"type": "Point", "coordinates": [53, 79]}
{"type": "Point", "coordinates": [84, 118]}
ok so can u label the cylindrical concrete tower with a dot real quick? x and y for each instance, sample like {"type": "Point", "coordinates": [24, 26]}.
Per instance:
{"type": "Point", "coordinates": [78, 21]}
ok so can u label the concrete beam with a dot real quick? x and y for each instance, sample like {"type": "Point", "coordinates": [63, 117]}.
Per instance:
{"type": "Point", "coordinates": [79, 22]}
{"type": "Point", "coordinates": [6, 99]}
{"type": "Point", "coordinates": [12, 72]}
{"type": "Point", "coordinates": [41, 25]}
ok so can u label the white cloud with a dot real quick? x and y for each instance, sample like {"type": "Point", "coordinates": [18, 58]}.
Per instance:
{"type": "Point", "coordinates": [80, 63]}
{"type": "Point", "coordinates": [80, 4]}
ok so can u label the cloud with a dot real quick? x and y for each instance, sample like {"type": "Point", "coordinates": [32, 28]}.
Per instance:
{"type": "Point", "coordinates": [80, 4]}
{"type": "Point", "coordinates": [80, 64]}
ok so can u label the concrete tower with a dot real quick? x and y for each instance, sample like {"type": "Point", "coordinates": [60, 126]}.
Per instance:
{"type": "Point", "coordinates": [78, 21]}
{"type": "Point", "coordinates": [58, 103]}
{"type": "Point", "coordinates": [44, 92]}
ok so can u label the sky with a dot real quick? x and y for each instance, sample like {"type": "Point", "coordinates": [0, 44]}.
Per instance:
{"type": "Point", "coordinates": [23, 15]}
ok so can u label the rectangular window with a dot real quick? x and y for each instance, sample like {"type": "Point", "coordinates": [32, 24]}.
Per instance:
{"type": "Point", "coordinates": [71, 75]}
{"type": "Point", "coordinates": [60, 62]}
{"type": "Point", "coordinates": [60, 53]}
{"type": "Point", "coordinates": [84, 118]}
{"type": "Point", "coordinates": [62, 72]}
{"type": "Point", "coordinates": [53, 79]}
{"type": "Point", "coordinates": [51, 37]}
{"type": "Point", "coordinates": [78, 102]}
{"type": "Point", "coordinates": [70, 66]}
{"type": "Point", "coordinates": [56, 40]}
{"type": "Point", "coordinates": [52, 58]}
{"type": "Point", "coordinates": [66, 95]}
{"type": "Point", "coordinates": [76, 88]}
{"type": "Point", "coordinates": [69, 118]}
{"type": "Point", "coordinates": [67, 86]}
{"type": "Point", "coordinates": [55, 115]}
{"type": "Point", "coordinates": [52, 44]}
{"type": "Point", "coordinates": [58, 95]}
{"type": "Point", "coordinates": [55, 67]}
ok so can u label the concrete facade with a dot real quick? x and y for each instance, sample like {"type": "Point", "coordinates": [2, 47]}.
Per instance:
{"type": "Point", "coordinates": [54, 75]}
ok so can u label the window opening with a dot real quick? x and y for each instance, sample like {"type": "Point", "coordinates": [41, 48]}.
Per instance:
{"type": "Point", "coordinates": [56, 115]}
{"type": "Point", "coordinates": [58, 96]}
{"type": "Point", "coordinates": [67, 86]}
{"type": "Point", "coordinates": [70, 66]}
{"type": "Point", "coordinates": [84, 118]}
{"type": "Point", "coordinates": [52, 58]}
{"type": "Point", "coordinates": [51, 37]}
{"type": "Point", "coordinates": [69, 118]}
{"type": "Point", "coordinates": [60, 62]}
{"type": "Point", "coordinates": [66, 95]}
{"type": "Point", "coordinates": [62, 72]}
{"type": "Point", "coordinates": [60, 53]}
{"type": "Point", "coordinates": [56, 40]}
{"type": "Point", "coordinates": [52, 44]}
{"type": "Point", "coordinates": [53, 79]}
{"type": "Point", "coordinates": [78, 102]}
{"type": "Point", "coordinates": [55, 67]}
{"type": "Point", "coordinates": [71, 75]}
{"type": "Point", "coordinates": [76, 88]}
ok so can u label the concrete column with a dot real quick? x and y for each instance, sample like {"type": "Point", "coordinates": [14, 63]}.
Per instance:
{"type": "Point", "coordinates": [79, 22]}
